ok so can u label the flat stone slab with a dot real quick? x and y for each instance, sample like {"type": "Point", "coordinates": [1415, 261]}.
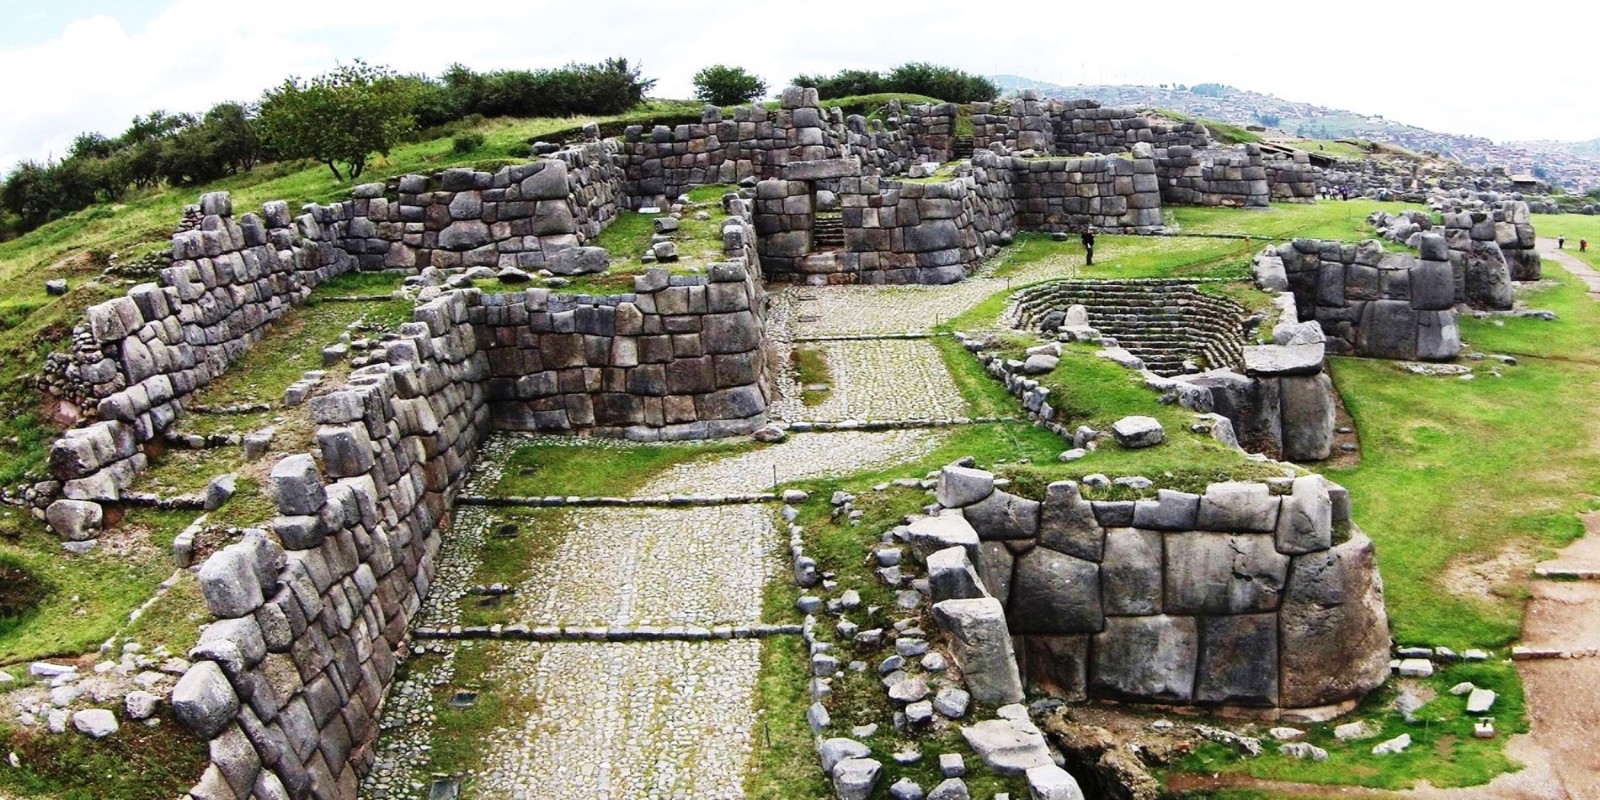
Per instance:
{"type": "Point", "coordinates": [1294, 359]}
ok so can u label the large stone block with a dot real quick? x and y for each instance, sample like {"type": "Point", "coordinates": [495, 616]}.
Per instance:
{"type": "Point", "coordinates": [1054, 593]}
{"type": "Point", "coordinates": [1146, 658]}
{"type": "Point", "coordinates": [981, 646]}
{"type": "Point", "coordinates": [1222, 573]}
{"type": "Point", "coordinates": [951, 576]}
{"type": "Point", "coordinates": [1067, 523]}
{"type": "Point", "coordinates": [229, 582]}
{"type": "Point", "coordinates": [203, 700]}
{"type": "Point", "coordinates": [1131, 574]}
{"type": "Point", "coordinates": [1170, 511]}
{"type": "Point", "coordinates": [1002, 515]}
{"type": "Point", "coordinates": [928, 535]}
{"type": "Point", "coordinates": [1306, 523]}
{"type": "Point", "coordinates": [1238, 506]}
{"type": "Point", "coordinates": [297, 485]}
{"type": "Point", "coordinates": [1438, 337]}
{"type": "Point", "coordinates": [1307, 414]}
{"type": "Point", "coordinates": [1333, 630]}
{"type": "Point", "coordinates": [1238, 660]}
{"type": "Point", "coordinates": [1388, 329]}
{"type": "Point", "coordinates": [1057, 666]}
{"type": "Point", "coordinates": [962, 486]}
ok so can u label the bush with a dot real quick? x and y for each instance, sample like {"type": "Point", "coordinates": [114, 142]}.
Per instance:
{"type": "Point", "coordinates": [946, 83]}
{"type": "Point", "coordinates": [467, 142]}
{"type": "Point", "coordinates": [722, 85]}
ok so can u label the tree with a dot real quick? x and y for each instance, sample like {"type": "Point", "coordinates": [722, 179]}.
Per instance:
{"type": "Point", "coordinates": [339, 117]}
{"type": "Point", "coordinates": [722, 85]}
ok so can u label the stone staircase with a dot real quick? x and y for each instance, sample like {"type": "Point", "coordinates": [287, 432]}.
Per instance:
{"type": "Point", "coordinates": [961, 148]}
{"type": "Point", "coordinates": [1163, 322]}
{"type": "Point", "coordinates": [827, 232]}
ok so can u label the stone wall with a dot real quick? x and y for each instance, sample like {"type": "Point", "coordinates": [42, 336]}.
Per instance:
{"type": "Point", "coordinates": [1115, 195]}
{"type": "Point", "coordinates": [1370, 302]}
{"type": "Point", "coordinates": [1293, 180]}
{"type": "Point", "coordinates": [1247, 596]}
{"type": "Point", "coordinates": [1510, 229]}
{"type": "Point", "coordinates": [1165, 322]}
{"type": "Point", "coordinates": [756, 143]}
{"type": "Point", "coordinates": [1213, 176]}
{"type": "Point", "coordinates": [287, 683]}
{"type": "Point", "coordinates": [519, 216]}
{"type": "Point", "coordinates": [679, 358]}
{"type": "Point", "coordinates": [1075, 127]}
{"type": "Point", "coordinates": [136, 359]}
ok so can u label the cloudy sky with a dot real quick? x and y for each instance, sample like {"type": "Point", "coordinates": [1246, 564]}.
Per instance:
{"type": "Point", "coordinates": [1507, 70]}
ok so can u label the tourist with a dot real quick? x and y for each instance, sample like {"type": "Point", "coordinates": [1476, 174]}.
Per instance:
{"type": "Point", "coordinates": [1088, 246]}
{"type": "Point", "coordinates": [1561, 242]}
{"type": "Point", "coordinates": [1583, 245]}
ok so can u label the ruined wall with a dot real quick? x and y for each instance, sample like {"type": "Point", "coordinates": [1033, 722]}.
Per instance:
{"type": "Point", "coordinates": [1075, 127]}
{"type": "Point", "coordinates": [286, 685]}
{"type": "Point", "coordinates": [519, 216]}
{"type": "Point", "coordinates": [1115, 195]}
{"type": "Point", "coordinates": [1510, 229]}
{"type": "Point", "coordinates": [1163, 321]}
{"type": "Point", "coordinates": [1213, 176]}
{"type": "Point", "coordinates": [1292, 180]}
{"type": "Point", "coordinates": [757, 142]}
{"type": "Point", "coordinates": [136, 359]}
{"type": "Point", "coordinates": [1244, 596]}
{"type": "Point", "coordinates": [679, 358]}
{"type": "Point", "coordinates": [1371, 302]}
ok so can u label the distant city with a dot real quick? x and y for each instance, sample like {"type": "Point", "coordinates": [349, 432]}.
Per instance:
{"type": "Point", "coordinates": [1573, 166]}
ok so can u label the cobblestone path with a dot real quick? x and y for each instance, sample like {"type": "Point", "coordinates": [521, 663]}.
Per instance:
{"type": "Point", "coordinates": [886, 379]}
{"type": "Point", "coordinates": [664, 719]}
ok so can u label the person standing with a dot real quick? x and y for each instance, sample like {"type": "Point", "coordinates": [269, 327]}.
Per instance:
{"type": "Point", "coordinates": [1583, 245]}
{"type": "Point", "coordinates": [1561, 242]}
{"type": "Point", "coordinates": [1088, 246]}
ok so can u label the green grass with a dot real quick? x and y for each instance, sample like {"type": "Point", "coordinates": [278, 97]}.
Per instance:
{"type": "Point", "coordinates": [811, 369]}
{"type": "Point", "coordinates": [84, 599]}
{"type": "Point", "coordinates": [1343, 220]}
{"type": "Point", "coordinates": [135, 763]}
{"type": "Point", "coordinates": [627, 238]}
{"type": "Point", "coordinates": [509, 560]}
{"type": "Point", "coordinates": [946, 172]}
{"type": "Point", "coordinates": [1574, 227]}
{"type": "Point", "coordinates": [1454, 472]}
{"type": "Point", "coordinates": [1222, 132]}
{"type": "Point", "coordinates": [599, 468]}
{"type": "Point", "coordinates": [1443, 751]}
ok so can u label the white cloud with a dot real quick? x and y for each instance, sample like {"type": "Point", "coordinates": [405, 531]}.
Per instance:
{"type": "Point", "coordinates": [1504, 73]}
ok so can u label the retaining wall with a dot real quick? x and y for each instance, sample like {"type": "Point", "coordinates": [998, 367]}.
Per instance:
{"type": "Point", "coordinates": [136, 359]}
{"type": "Point", "coordinates": [287, 684]}
{"type": "Point", "coordinates": [1075, 127]}
{"type": "Point", "coordinates": [1246, 596]}
{"type": "Point", "coordinates": [1213, 176]}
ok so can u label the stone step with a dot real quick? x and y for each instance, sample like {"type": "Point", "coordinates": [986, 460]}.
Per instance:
{"type": "Point", "coordinates": [1568, 573]}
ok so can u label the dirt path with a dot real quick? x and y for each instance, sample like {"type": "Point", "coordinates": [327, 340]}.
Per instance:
{"type": "Point", "coordinates": [1572, 264]}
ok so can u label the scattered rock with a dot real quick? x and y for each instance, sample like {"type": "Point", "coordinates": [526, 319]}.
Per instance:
{"type": "Point", "coordinates": [1353, 731]}
{"type": "Point", "coordinates": [1138, 431]}
{"type": "Point", "coordinates": [96, 722]}
{"type": "Point", "coordinates": [1304, 751]}
{"type": "Point", "coordinates": [1479, 701]}
{"type": "Point", "coordinates": [1396, 745]}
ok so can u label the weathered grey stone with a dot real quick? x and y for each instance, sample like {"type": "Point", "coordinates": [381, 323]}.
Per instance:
{"type": "Point", "coordinates": [1067, 523]}
{"type": "Point", "coordinates": [97, 723]}
{"type": "Point", "coordinates": [1388, 330]}
{"type": "Point", "coordinates": [203, 700]}
{"type": "Point", "coordinates": [1438, 336]}
{"type": "Point", "coordinates": [464, 235]}
{"type": "Point", "coordinates": [75, 520]}
{"type": "Point", "coordinates": [1170, 511]}
{"type": "Point", "coordinates": [1131, 574]}
{"type": "Point", "coordinates": [1296, 359]}
{"type": "Point", "coordinates": [1138, 431]}
{"type": "Point", "coordinates": [1307, 415]}
{"type": "Point", "coordinates": [981, 646]}
{"type": "Point", "coordinates": [1238, 506]}
{"type": "Point", "coordinates": [1057, 666]}
{"type": "Point", "coordinates": [1039, 364]}
{"type": "Point", "coordinates": [1054, 593]}
{"type": "Point", "coordinates": [1050, 782]}
{"type": "Point", "coordinates": [1002, 515]}
{"type": "Point", "coordinates": [1333, 631]}
{"type": "Point", "coordinates": [1006, 746]}
{"type": "Point", "coordinates": [297, 485]}
{"type": "Point", "coordinates": [1432, 285]}
{"type": "Point", "coordinates": [1238, 660]}
{"type": "Point", "coordinates": [962, 486]}
{"type": "Point", "coordinates": [1218, 573]}
{"type": "Point", "coordinates": [950, 789]}
{"type": "Point", "coordinates": [951, 576]}
{"type": "Point", "coordinates": [141, 704]}
{"type": "Point", "coordinates": [1306, 522]}
{"type": "Point", "coordinates": [1146, 658]}
{"type": "Point", "coordinates": [928, 535]}
{"type": "Point", "coordinates": [951, 702]}
{"type": "Point", "coordinates": [838, 749]}
{"type": "Point", "coordinates": [855, 778]}
{"type": "Point", "coordinates": [995, 567]}
{"type": "Point", "coordinates": [229, 582]}
{"type": "Point", "coordinates": [579, 261]}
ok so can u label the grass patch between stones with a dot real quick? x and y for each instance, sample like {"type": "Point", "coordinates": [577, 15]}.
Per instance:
{"type": "Point", "coordinates": [599, 468]}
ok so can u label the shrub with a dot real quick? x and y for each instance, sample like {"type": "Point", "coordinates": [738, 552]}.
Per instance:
{"type": "Point", "coordinates": [722, 85]}
{"type": "Point", "coordinates": [946, 83]}
{"type": "Point", "coordinates": [467, 142]}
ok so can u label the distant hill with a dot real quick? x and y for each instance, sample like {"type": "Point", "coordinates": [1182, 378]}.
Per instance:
{"type": "Point", "coordinates": [1571, 164]}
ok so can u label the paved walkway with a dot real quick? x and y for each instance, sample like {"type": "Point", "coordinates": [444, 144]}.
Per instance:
{"type": "Point", "coordinates": [1572, 264]}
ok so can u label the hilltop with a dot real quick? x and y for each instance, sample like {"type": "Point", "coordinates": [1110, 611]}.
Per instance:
{"type": "Point", "coordinates": [1572, 165]}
